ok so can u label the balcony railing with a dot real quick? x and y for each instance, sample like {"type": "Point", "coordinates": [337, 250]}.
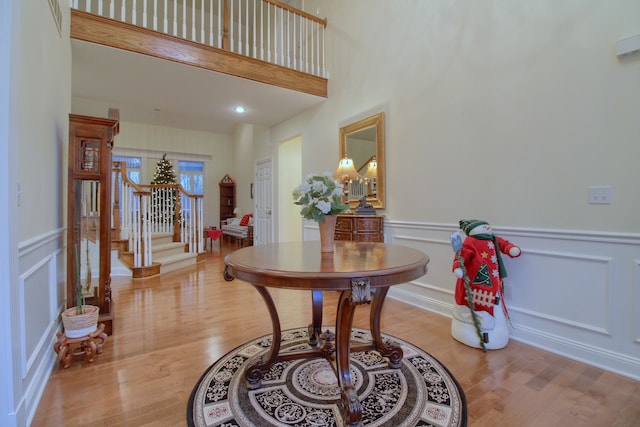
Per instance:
{"type": "Point", "coordinates": [266, 30]}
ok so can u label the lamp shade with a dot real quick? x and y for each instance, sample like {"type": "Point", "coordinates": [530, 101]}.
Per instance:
{"type": "Point", "coordinates": [372, 170]}
{"type": "Point", "coordinates": [346, 170]}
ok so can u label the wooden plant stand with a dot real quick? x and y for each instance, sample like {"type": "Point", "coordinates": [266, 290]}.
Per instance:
{"type": "Point", "coordinates": [89, 346]}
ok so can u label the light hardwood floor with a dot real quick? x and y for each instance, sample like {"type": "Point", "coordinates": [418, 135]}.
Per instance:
{"type": "Point", "coordinates": [168, 330]}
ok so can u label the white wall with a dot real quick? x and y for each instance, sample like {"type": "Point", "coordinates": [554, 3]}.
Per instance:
{"type": "Point", "coordinates": [532, 90]}
{"type": "Point", "coordinates": [243, 166]}
{"type": "Point", "coordinates": [39, 107]}
{"type": "Point", "coordinates": [506, 112]}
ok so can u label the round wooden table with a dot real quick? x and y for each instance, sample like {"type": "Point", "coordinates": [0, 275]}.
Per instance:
{"type": "Point", "coordinates": [362, 272]}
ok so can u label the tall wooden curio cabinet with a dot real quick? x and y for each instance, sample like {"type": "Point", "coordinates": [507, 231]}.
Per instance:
{"type": "Point", "coordinates": [227, 197]}
{"type": "Point", "coordinates": [88, 211]}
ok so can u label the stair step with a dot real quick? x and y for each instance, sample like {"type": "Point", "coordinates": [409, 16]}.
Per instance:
{"type": "Point", "coordinates": [174, 262]}
{"type": "Point", "coordinates": [161, 239]}
{"type": "Point", "coordinates": [167, 248]}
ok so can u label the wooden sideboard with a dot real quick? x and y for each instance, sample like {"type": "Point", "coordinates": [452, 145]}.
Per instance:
{"type": "Point", "coordinates": [360, 228]}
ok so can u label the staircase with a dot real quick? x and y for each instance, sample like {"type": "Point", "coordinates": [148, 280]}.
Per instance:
{"type": "Point", "coordinates": [157, 228]}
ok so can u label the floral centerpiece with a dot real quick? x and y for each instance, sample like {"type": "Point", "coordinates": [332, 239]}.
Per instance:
{"type": "Point", "coordinates": [321, 200]}
{"type": "Point", "coordinates": [319, 195]}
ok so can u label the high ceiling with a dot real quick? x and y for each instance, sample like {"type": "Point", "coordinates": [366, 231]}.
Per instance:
{"type": "Point", "coordinates": [160, 92]}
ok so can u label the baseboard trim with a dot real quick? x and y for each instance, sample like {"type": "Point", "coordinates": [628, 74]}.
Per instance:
{"type": "Point", "coordinates": [572, 349]}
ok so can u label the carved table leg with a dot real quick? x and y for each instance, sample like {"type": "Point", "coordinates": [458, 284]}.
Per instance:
{"type": "Point", "coordinates": [316, 319]}
{"type": "Point", "coordinates": [393, 353]}
{"type": "Point", "coordinates": [360, 293]}
{"type": "Point", "coordinates": [254, 372]}
{"type": "Point", "coordinates": [227, 276]}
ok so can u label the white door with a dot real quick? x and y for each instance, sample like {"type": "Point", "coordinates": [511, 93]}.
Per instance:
{"type": "Point", "coordinates": [263, 220]}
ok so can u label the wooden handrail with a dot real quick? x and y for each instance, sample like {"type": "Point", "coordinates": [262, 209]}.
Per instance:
{"type": "Point", "coordinates": [297, 12]}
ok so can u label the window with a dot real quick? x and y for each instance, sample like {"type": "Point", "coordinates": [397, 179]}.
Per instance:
{"type": "Point", "coordinates": [133, 166]}
{"type": "Point", "coordinates": [192, 176]}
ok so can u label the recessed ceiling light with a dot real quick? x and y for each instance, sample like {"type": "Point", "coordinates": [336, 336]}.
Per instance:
{"type": "Point", "coordinates": [239, 109]}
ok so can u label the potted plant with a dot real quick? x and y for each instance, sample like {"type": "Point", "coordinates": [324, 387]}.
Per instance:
{"type": "Point", "coordinates": [321, 198]}
{"type": "Point", "coordinates": [80, 320]}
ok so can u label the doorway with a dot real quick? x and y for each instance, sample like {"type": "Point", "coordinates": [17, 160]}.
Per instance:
{"type": "Point", "coordinates": [263, 219]}
{"type": "Point", "coordinates": [289, 177]}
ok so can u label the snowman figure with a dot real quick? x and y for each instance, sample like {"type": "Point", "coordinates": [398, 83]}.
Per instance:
{"type": "Point", "coordinates": [480, 270]}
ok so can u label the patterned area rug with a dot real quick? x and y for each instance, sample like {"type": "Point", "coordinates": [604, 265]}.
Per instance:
{"type": "Point", "coordinates": [305, 393]}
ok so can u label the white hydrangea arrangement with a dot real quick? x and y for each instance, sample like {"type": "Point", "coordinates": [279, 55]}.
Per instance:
{"type": "Point", "coordinates": [319, 195]}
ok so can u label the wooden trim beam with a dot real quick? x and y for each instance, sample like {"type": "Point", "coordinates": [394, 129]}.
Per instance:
{"type": "Point", "coordinates": [120, 35]}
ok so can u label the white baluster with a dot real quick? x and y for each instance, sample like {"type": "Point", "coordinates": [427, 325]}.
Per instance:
{"type": "Point", "coordinates": [170, 209]}
{"type": "Point", "coordinates": [306, 46]}
{"type": "Point", "coordinates": [240, 26]}
{"type": "Point", "coordinates": [147, 235]}
{"type": "Point", "coordinates": [231, 38]}
{"type": "Point", "coordinates": [311, 47]}
{"type": "Point", "coordinates": [255, 48]}
{"type": "Point", "coordinates": [261, 30]}
{"type": "Point", "coordinates": [282, 37]}
{"type": "Point", "coordinates": [175, 17]}
{"type": "Point", "coordinates": [144, 14]}
{"type": "Point", "coordinates": [142, 247]}
{"type": "Point", "coordinates": [165, 16]}
{"type": "Point", "coordinates": [193, 20]}
{"type": "Point", "coordinates": [289, 38]}
{"type": "Point", "coordinates": [136, 233]}
{"type": "Point", "coordinates": [184, 19]}
{"type": "Point", "coordinates": [269, 32]}
{"type": "Point", "coordinates": [275, 35]}
{"type": "Point", "coordinates": [201, 225]}
{"type": "Point", "coordinates": [155, 15]}
{"type": "Point", "coordinates": [324, 70]}
{"type": "Point", "coordinates": [220, 27]}
{"type": "Point", "coordinates": [294, 51]}
{"type": "Point", "coordinates": [202, 21]}
{"type": "Point", "coordinates": [134, 12]}
{"type": "Point", "coordinates": [211, 23]}
{"type": "Point", "coordinates": [247, 50]}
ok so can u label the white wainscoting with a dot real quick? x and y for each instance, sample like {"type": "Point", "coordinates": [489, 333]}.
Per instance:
{"type": "Point", "coordinates": [41, 289]}
{"type": "Point", "coordinates": [570, 292]}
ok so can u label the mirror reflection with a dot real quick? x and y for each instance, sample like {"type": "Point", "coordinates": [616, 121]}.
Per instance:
{"type": "Point", "coordinates": [363, 143]}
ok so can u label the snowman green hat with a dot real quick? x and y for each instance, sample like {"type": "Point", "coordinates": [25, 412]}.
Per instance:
{"type": "Point", "coordinates": [467, 225]}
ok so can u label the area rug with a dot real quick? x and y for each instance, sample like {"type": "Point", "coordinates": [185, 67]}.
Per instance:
{"type": "Point", "coordinates": [305, 393]}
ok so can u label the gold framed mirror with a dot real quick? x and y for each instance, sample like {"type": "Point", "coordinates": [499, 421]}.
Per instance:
{"type": "Point", "coordinates": [363, 142]}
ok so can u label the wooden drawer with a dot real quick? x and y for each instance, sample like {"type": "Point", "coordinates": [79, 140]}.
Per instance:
{"type": "Point", "coordinates": [360, 228]}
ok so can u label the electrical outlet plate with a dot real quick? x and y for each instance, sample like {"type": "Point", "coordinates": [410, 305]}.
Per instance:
{"type": "Point", "coordinates": [600, 195]}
